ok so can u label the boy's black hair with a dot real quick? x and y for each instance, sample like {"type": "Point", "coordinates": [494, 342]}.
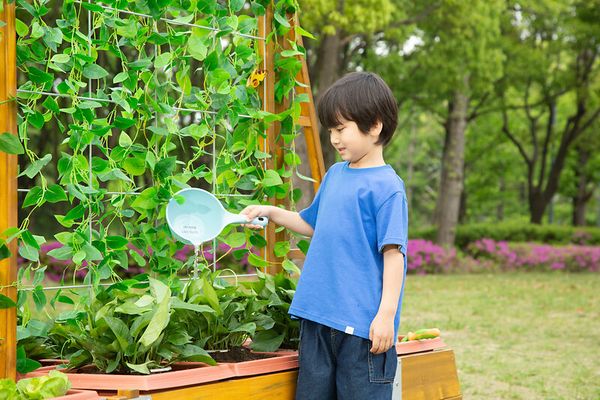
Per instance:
{"type": "Point", "coordinates": [362, 97]}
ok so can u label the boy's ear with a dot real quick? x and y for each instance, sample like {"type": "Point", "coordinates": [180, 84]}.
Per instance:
{"type": "Point", "coordinates": [376, 129]}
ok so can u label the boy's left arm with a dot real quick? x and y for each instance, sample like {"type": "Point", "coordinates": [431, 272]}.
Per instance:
{"type": "Point", "coordinates": [382, 327]}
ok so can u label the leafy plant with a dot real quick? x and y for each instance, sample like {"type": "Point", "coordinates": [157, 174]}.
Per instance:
{"type": "Point", "coordinates": [274, 296]}
{"type": "Point", "coordinates": [130, 327]}
{"type": "Point", "coordinates": [235, 315]}
{"type": "Point", "coordinates": [54, 384]}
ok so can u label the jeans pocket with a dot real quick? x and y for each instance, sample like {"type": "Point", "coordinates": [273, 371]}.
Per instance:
{"type": "Point", "coordinates": [382, 367]}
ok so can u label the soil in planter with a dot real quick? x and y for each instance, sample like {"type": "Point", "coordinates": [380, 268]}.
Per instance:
{"type": "Point", "coordinates": [237, 354]}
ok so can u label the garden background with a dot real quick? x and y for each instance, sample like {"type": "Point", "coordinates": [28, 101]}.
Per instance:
{"type": "Point", "coordinates": [499, 147]}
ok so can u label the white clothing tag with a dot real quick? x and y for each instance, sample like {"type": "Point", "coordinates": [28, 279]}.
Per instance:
{"type": "Point", "coordinates": [349, 330]}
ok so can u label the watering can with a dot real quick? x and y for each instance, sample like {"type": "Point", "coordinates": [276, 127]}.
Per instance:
{"type": "Point", "coordinates": [201, 217]}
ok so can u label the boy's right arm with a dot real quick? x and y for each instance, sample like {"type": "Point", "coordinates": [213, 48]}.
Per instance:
{"type": "Point", "coordinates": [289, 219]}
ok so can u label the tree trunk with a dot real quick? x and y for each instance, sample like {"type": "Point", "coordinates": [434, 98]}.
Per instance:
{"type": "Point", "coordinates": [537, 206]}
{"type": "Point", "coordinates": [327, 71]}
{"type": "Point", "coordinates": [500, 206]}
{"type": "Point", "coordinates": [451, 185]}
{"type": "Point", "coordinates": [581, 196]}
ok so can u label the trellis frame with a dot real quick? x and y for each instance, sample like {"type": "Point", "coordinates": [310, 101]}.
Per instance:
{"type": "Point", "coordinates": [9, 162]}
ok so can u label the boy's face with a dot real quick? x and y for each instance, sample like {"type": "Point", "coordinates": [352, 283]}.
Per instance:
{"type": "Point", "coordinates": [350, 142]}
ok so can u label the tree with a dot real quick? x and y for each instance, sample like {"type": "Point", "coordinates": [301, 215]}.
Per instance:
{"type": "Point", "coordinates": [449, 73]}
{"type": "Point", "coordinates": [551, 65]}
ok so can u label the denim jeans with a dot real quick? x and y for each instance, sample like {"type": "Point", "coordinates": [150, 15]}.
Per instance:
{"type": "Point", "coordinates": [335, 365]}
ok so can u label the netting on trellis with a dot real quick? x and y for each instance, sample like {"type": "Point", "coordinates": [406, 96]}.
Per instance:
{"type": "Point", "coordinates": [123, 103]}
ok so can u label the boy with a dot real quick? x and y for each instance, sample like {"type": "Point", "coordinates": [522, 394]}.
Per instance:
{"type": "Point", "coordinates": [350, 291]}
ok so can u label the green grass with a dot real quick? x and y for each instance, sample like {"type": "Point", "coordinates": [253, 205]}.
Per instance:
{"type": "Point", "coordinates": [515, 335]}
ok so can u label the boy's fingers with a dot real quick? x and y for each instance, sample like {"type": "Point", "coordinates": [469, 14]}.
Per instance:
{"type": "Point", "coordinates": [375, 346]}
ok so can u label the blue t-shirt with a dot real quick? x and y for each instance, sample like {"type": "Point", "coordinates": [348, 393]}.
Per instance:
{"type": "Point", "coordinates": [356, 212]}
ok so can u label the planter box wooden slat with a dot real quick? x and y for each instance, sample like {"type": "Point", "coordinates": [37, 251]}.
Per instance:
{"type": "Point", "coordinates": [75, 394]}
{"type": "Point", "coordinates": [417, 346]}
{"type": "Point", "coordinates": [280, 386]}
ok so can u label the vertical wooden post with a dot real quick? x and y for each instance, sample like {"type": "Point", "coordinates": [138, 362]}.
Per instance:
{"type": "Point", "coordinates": [8, 187]}
{"type": "Point", "coordinates": [273, 145]}
{"type": "Point", "coordinates": [311, 126]}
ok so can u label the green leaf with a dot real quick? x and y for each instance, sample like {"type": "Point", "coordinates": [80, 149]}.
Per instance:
{"type": "Point", "coordinates": [236, 5]}
{"type": "Point", "coordinates": [92, 253]}
{"type": "Point", "coordinates": [135, 166]}
{"type": "Point", "coordinates": [38, 76]}
{"type": "Point", "coordinates": [179, 304]}
{"type": "Point", "coordinates": [89, 104]}
{"type": "Point", "coordinates": [55, 193]}
{"type": "Point", "coordinates": [24, 364]}
{"type": "Point", "coordinates": [165, 167]}
{"type": "Point", "coordinates": [281, 248]}
{"type": "Point", "coordinates": [256, 261]}
{"type": "Point", "coordinates": [282, 20]}
{"type": "Point", "coordinates": [271, 178]}
{"type": "Point", "coordinates": [197, 48]}
{"type": "Point", "coordinates": [124, 123]}
{"type": "Point", "coordinates": [120, 331]}
{"type": "Point", "coordinates": [4, 251]}
{"type": "Point", "coordinates": [29, 252]}
{"type": "Point", "coordinates": [51, 104]}
{"type": "Point", "coordinates": [124, 140]}
{"type": "Point", "coordinates": [36, 120]}
{"type": "Point", "coordinates": [62, 253]}
{"type": "Point", "coordinates": [35, 167]}
{"type": "Point", "coordinates": [21, 27]}
{"type": "Point", "coordinates": [160, 319]}
{"type": "Point", "coordinates": [6, 302]}
{"type": "Point", "coordinates": [141, 368]}
{"type": "Point", "coordinates": [94, 71]}
{"type": "Point", "coordinates": [61, 58]}
{"type": "Point", "coordinates": [236, 239]}
{"type": "Point", "coordinates": [75, 213]}
{"type": "Point", "coordinates": [79, 257]}
{"type": "Point", "coordinates": [32, 197]}
{"type": "Point", "coordinates": [290, 267]}
{"type": "Point", "coordinates": [120, 77]}
{"type": "Point", "coordinates": [269, 340]}
{"type": "Point", "coordinates": [10, 144]}
{"type": "Point", "coordinates": [261, 154]}
{"type": "Point", "coordinates": [39, 297]}
{"type": "Point", "coordinates": [163, 60]}
{"type": "Point", "coordinates": [291, 53]}
{"type": "Point", "coordinates": [116, 242]}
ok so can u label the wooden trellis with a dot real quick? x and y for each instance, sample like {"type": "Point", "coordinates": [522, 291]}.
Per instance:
{"type": "Point", "coordinates": [9, 165]}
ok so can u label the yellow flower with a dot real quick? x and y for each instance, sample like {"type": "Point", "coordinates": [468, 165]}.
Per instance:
{"type": "Point", "coordinates": [256, 77]}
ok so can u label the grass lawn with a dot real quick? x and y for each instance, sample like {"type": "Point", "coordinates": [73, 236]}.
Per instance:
{"type": "Point", "coordinates": [515, 335]}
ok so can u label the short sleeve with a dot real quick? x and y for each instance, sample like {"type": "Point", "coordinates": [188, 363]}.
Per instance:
{"type": "Point", "coordinates": [392, 222]}
{"type": "Point", "coordinates": [309, 214]}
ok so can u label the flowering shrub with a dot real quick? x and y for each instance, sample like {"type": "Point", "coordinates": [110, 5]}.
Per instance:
{"type": "Point", "coordinates": [64, 270]}
{"type": "Point", "coordinates": [533, 256]}
{"type": "Point", "coordinates": [425, 257]}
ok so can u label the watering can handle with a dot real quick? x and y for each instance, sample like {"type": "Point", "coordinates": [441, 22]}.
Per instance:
{"type": "Point", "coordinates": [261, 221]}
{"type": "Point", "coordinates": [241, 219]}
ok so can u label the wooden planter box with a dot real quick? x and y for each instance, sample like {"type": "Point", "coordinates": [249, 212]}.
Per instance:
{"type": "Point", "coordinates": [184, 374]}
{"type": "Point", "coordinates": [426, 370]}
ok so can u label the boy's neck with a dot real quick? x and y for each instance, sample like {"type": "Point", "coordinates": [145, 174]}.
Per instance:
{"type": "Point", "coordinates": [373, 158]}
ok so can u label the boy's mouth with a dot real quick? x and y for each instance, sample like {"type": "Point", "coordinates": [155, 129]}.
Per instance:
{"type": "Point", "coordinates": [340, 149]}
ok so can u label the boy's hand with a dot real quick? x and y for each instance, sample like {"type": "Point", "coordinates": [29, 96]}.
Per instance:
{"type": "Point", "coordinates": [382, 333]}
{"type": "Point", "coordinates": [254, 211]}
